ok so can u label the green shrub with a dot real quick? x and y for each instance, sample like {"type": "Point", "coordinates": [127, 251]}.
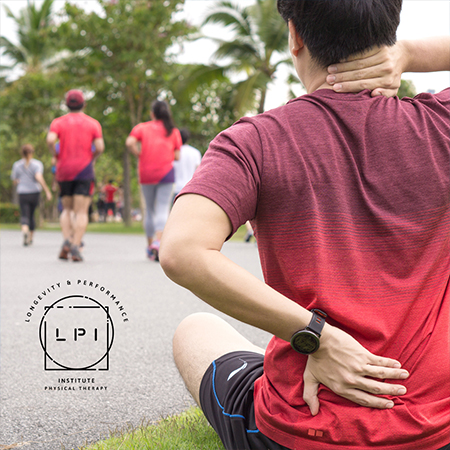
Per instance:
{"type": "Point", "coordinates": [9, 213]}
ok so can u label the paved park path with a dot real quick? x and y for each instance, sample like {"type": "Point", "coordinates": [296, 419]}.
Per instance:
{"type": "Point", "coordinates": [63, 409]}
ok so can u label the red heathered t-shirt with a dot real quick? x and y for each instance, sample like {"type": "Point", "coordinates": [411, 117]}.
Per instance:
{"type": "Point", "coordinates": [76, 132]}
{"type": "Point", "coordinates": [349, 198]}
{"type": "Point", "coordinates": [109, 190]}
{"type": "Point", "coordinates": [157, 152]}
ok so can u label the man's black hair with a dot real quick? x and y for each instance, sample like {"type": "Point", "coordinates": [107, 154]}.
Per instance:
{"type": "Point", "coordinates": [333, 30]}
{"type": "Point", "coordinates": [185, 135]}
{"type": "Point", "coordinates": [75, 108]}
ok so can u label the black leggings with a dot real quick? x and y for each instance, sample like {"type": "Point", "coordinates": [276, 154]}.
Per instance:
{"type": "Point", "coordinates": [28, 204]}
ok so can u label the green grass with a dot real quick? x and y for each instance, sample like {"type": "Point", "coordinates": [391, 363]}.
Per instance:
{"type": "Point", "coordinates": [98, 227]}
{"type": "Point", "coordinates": [110, 227]}
{"type": "Point", "coordinates": [187, 431]}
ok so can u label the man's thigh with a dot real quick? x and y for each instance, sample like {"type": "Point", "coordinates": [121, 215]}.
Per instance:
{"type": "Point", "coordinates": [199, 340]}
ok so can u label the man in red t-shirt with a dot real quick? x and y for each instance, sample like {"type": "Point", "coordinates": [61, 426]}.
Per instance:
{"type": "Point", "coordinates": [77, 133]}
{"type": "Point", "coordinates": [109, 191]}
{"type": "Point", "coordinates": [348, 195]}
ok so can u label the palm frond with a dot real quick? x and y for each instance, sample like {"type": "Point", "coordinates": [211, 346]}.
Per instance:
{"type": "Point", "coordinates": [197, 75]}
{"type": "Point", "coordinates": [9, 13]}
{"type": "Point", "coordinates": [230, 15]}
{"type": "Point", "coordinates": [238, 50]}
{"type": "Point", "coordinates": [272, 29]}
{"type": "Point", "coordinates": [33, 48]}
{"type": "Point", "coordinates": [247, 93]}
{"type": "Point", "coordinates": [15, 52]}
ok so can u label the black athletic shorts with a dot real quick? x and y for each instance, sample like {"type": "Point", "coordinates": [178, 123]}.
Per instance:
{"type": "Point", "coordinates": [226, 398]}
{"type": "Point", "coordinates": [75, 187]}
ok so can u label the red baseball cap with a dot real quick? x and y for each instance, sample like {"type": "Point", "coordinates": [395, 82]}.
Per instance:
{"type": "Point", "coordinates": [74, 99]}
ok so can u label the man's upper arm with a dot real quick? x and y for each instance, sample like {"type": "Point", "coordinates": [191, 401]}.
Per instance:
{"type": "Point", "coordinates": [131, 140]}
{"type": "Point", "coordinates": [52, 137]}
{"type": "Point", "coordinates": [99, 144]}
{"type": "Point", "coordinates": [195, 224]}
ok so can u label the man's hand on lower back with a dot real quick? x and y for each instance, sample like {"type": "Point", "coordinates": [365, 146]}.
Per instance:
{"type": "Point", "coordinates": [352, 372]}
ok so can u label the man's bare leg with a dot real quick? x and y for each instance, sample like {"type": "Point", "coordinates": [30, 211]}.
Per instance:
{"type": "Point", "coordinates": [199, 340]}
{"type": "Point", "coordinates": [65, 217]}
{"type": "Point", "coordinates": [81, 209]}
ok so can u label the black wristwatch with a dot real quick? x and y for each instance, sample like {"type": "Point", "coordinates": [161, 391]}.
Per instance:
{"type": "Point", "coordinates": [307, 341]}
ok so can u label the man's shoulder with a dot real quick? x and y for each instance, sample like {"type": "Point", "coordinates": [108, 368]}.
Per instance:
{"type": "Point", "coordinates": [59, 119]}
{"type": "Point", "coordinates": [442, 97]}
{"type": "Point", "coordinates": [90, 119]}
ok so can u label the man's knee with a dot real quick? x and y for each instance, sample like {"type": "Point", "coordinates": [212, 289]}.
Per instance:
{"type": "Point", "coordinates": [190, 329]}
{"type": "Point", "coordinates": [67, 202]}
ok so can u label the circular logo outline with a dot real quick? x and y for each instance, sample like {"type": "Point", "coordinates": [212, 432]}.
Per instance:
{"type": "Point", "coordinates": [109, 343]}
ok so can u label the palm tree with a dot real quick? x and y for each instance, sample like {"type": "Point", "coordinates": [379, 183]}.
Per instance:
{"type": "Point", "coordinates": [258, 47]}
{"type": "Point", "coordinates": [34, 48]}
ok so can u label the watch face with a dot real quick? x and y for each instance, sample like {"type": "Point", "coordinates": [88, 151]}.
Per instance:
{"type": "Point", "coordinates": [305, 342]}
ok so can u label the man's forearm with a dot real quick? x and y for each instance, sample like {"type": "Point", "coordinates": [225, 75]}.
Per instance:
{"type": "Point", "coordinates": [380, 69]}
{"type": "Point", "coordinates": [427, 55]}
{"type": "Point", "coordinates": [133, 149]}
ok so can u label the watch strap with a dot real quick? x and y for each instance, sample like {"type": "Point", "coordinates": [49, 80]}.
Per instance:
{"type": "Point", "coordinates": [317, 321]}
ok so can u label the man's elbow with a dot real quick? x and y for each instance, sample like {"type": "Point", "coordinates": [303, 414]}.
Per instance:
{"type": "Point", "coordinates": [173, 262]}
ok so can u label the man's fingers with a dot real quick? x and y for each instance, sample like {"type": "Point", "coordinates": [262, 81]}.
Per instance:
{"type": "Point", "coordinates": [380, 361]}
{"type": "Point", "coordinates": [380, 388]}
{"type": "Point", "coordinates": [354, 66]}
{"type": "Point", "coordinates": [359, 61]}
{"type": "Point", "coordinates": [310, 392]}
{"type": "Point", "coordinates": [371, 73]}
{"type": "Point", "coordinates": [356, 86]}
{"type": "Point", "coordinates": [364, 399]}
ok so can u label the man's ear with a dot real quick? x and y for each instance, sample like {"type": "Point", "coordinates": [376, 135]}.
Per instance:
{"type": "Point", "coordinates": [296, 41]}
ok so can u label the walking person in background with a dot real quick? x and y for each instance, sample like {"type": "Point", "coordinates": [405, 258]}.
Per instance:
{"type": "Point", "coordinates": [110, 191]}
{"type": "Point", "coordinates": [27, 175]}
{"type": "Point", "coordinates": [160, 147]}
{"type": "Point", "coordinates": [76, 132]}
{"type": "Point", "coordinates": [185, 167]}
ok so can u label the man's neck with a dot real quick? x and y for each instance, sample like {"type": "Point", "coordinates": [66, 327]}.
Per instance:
{"type": "Point", "coordinates": [317, 80]}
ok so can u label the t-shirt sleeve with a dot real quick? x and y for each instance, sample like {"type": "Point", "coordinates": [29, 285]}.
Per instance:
{"type": "Point", "coordinates": [229, 173]}
{"type": "Point", "coordinates": [38, 167]}
{"type": "Point", "coordinates": [54, 126]}
{"type": "Point", "coordinates": [137, 132]}
{"type": "Point", "coordinates": [98, 130]}
{"type": "Point", "coordinates": [14, 172]}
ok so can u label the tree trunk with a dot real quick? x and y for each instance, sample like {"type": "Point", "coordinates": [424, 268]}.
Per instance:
{"type": "Point", "coordinates": [262, 101]}
{"type": "Point", "coordinates": [126, 164]}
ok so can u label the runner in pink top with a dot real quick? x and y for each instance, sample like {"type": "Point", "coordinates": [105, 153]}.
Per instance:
{"type": "Point", "coordinates": [349, 197]}
{"type": "Point", "coordinates": [160, 146]}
